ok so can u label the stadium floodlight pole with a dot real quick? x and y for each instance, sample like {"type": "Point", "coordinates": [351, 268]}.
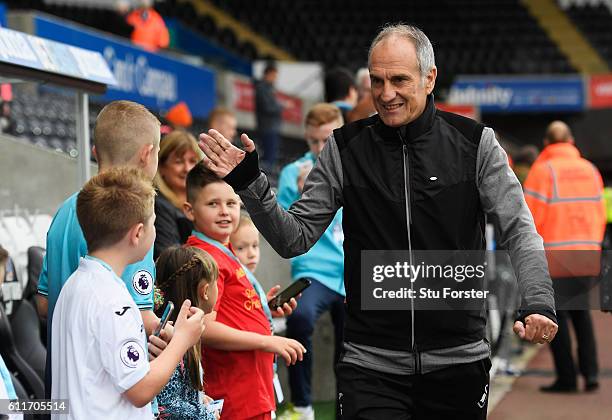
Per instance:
{"type": "Point", "coordinates": [82, 132]}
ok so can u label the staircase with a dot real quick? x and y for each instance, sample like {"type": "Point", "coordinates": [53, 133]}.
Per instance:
{"type": "Point", "coordinates": [570, 41]}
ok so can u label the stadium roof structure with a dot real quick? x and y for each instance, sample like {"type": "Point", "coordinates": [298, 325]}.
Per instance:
{"type": "Point", "coordinates": [27, 57]}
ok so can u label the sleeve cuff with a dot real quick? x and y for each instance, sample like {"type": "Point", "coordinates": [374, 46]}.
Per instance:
{"type": "Point", "coordinates": [245, 173]}
{"type": "Point", "coordinates": [524, 313]}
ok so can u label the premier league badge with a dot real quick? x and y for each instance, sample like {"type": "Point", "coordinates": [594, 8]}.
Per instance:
{"type": "Point", "coordinates": [142, 281]}
{"type": "Point", "coordinates": [131, 354]}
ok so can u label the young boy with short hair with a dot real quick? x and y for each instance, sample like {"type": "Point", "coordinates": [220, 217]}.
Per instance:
{"type": "Point", "coordinates": [125, 134]}
{"type": "Point", "coordinates": [99, 360]}
{"type": "Point", "coordinates": [238, 354]}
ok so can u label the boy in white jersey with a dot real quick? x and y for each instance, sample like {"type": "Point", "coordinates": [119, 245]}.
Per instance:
{"type": "Point", "coordinates": [99, 358]}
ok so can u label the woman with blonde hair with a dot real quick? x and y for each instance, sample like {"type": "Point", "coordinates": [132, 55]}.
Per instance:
{"type": "Point", "coordinates": [178, 153]}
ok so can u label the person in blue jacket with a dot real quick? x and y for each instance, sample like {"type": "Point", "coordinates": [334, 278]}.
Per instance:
{"type": "Point", "coordinates": [323, 265]}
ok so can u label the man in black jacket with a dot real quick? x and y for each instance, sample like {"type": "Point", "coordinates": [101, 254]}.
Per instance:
{"type": "Point", "coordinates": [268, 111]}
{"type": "Point", "coordinates": [410, 178]}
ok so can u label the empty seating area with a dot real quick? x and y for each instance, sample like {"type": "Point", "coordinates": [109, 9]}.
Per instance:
{"type": "Point", "coordinates": [469, 36]}
{"type": "Point", "coordinates": [594, 21]}
{"type": "Point", "coordinates": [46, 117]}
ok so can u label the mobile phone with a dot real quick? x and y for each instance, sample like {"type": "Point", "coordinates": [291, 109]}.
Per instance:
{"type": "Point", "coordinates": [164, 319]}
{"type": "Point", "coordinates": [216, 405]}
{"type": "Point", "coordinates": [292, 291]}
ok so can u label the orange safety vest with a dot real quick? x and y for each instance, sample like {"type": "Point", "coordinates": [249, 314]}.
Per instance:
{"type": "Point", "coordinates": [150, 33]}
{"type": "Point", "coordinates": [565, 195]}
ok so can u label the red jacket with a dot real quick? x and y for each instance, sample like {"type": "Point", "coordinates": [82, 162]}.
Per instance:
{"type": "Point", "coordinates": [565, 195]}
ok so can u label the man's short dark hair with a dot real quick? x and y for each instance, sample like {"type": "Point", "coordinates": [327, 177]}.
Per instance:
{"type": "Point", "coordinates": [199, 177]}
{"type": "Point", "coordinates": [338, 83]}
{"type": "Point", "coordinates": [270, 66]}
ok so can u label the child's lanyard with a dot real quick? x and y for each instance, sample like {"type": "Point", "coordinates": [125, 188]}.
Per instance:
{"type": "Point", "coordinates": [260, 291]}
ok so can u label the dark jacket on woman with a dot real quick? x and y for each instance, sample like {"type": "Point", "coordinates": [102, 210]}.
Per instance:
{"type": "Point", "coordinates": [172, 227]}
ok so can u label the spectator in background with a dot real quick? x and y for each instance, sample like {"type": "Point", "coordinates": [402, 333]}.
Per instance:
{"type": "Point", "coordinates": [364, 85]}
{"type": "Point", "coordinates": [224, 121]}
{"type": "Point", "coordinates": [365, 105]}
{"type": "Point", "coordinates": [565, 195]}
{"type": "Point", "coordinates": [340, 90]}
{"type": "Point", "coordinates": [6, 97]}
{"type": "Point", "coordinates": [178, 153]}
{"type": "Point", "coordinates": [268, 112]}
{"type": "Point", "coordinates": [323, 265]}
{"type": "Point", "coordinates": [150, 31]}
{"type": "Point", "coordinates": [179, 116]}
{"type": "Point", "coordinates": [522, 161]}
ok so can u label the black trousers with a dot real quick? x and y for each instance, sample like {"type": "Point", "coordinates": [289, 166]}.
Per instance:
{"type": "Point", "coordinates": [458, 392]}
{"type": "Point", "coordinates": [561, 347]}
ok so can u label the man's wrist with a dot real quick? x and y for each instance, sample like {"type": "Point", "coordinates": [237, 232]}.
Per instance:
{"type": "Point", "coordinates": [524, 313]}
{"type": "Point", "coordinates": [245, 173]}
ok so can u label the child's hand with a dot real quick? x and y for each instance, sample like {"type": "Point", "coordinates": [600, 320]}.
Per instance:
{"type": "Point", "coordinates": [158, 344]}
{"type": "Point", "coordinates": [290, 350]}
{"type": "Point", "coordinates": [207, 400]}
{"type": "Point", "coordinates": [189, 324]}
{"type": "Point", "coordinates": [282, 311]}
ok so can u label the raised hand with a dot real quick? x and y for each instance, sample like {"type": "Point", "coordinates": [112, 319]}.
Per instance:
{"type": "Point", "coordinates": [220, 155]}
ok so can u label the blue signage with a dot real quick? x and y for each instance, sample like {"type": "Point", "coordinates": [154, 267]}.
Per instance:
{"type": "Point", "coordinates": [2, 15]}
{"type": "Point", "coordinates": [154, 80]}
{"type": "Point", "coordinates": [520, 94]}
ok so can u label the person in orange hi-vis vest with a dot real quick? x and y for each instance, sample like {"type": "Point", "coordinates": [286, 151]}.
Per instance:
{"type": "Point", "coordinates": [565, 195]}
{"type": "Point", "coordinates": [150, 31]}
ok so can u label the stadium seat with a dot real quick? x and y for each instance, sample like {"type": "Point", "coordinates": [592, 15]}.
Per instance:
{"type": "Point", "coordinates": [30, 380]}
{"type": "Point", "coordinates": [25, 326]}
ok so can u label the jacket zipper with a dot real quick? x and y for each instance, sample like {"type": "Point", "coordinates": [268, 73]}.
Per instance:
{"type": "Point", "coordinates": [406, 166]}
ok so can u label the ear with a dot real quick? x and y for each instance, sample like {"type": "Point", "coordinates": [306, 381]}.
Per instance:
{"type": "Point", "coordinates": [430, 80]}
{"type": "Point", "coordinates": [136, 233]}
{"type": "Point", "coordinates": [94, 153]}
{"type": "Point", "coordinates": [188, 211]}
{"type": "Point", "coordinates": [203, 292]}
{"type": "Point", "coordinates": [145, 155]}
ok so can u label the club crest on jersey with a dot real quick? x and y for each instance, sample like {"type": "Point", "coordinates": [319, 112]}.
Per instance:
{"type": "Point", "coordinates": [131, 353]}
{"type": "Point", "coordinates": [142, 281]}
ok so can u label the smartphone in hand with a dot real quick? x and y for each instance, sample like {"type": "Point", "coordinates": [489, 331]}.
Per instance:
{"type": "Point", "coordinates": [292, 291]}
{"type": "Point", "coordinates": [164, 319]}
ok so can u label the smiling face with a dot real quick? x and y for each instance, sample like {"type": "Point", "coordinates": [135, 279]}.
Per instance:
{"type": "Point", "coordinates": [398, 90]}
{"type": "Point", "coordinates": [215, 211]}
{"type": "Point", "coordinates": [175, 168]}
